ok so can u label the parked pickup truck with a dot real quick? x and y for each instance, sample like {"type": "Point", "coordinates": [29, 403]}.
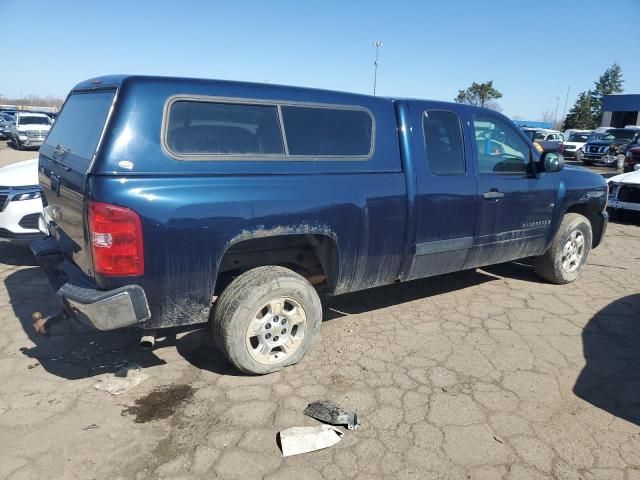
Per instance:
{"type": "Point", "coordinates": [180, 201]}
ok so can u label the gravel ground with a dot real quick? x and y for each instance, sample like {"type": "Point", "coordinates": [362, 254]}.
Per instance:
{"type": "Point", "coordinates": [479, 375]}
{"type": "Point", "coordinates": [9, 155]}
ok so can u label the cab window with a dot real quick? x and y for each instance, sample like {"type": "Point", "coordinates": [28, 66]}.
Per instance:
{"type": "Point", "coordinates": [443, 140]}
{"type": "Point", "coordinates": [500, 148]}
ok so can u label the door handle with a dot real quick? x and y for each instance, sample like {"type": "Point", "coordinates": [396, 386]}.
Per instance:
{"type": "Point", "coordinates": [492, 194]}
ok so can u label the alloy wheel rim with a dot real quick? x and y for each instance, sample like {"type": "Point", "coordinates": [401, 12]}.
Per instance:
{"type": "Point", "coordinates": [573, 251]}
{"type": "Point", "coordinates": [276, 331]}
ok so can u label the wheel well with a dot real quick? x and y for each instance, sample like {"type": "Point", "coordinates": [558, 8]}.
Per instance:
{"type": "Point", "coordinates": [315, 257]}
{"type": "Point", "coordinates": [592, 213]}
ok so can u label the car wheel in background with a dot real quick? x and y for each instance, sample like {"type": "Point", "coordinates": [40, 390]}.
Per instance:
{"type": "Point", "coordinates": [266, 319]}
{"type": "Point", "coordinates": [17, 143]}
{"type": "Point", "coordinates": [568, 253]}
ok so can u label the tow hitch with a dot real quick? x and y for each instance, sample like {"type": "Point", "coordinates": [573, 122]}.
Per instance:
{"type": "Point", "coordinates": [42, 324]}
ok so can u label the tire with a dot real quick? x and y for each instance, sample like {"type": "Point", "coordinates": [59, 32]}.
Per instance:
{"type": "Point", "coordinates": [252, 315]}
{"type": "Point", "coordinates": [17, 143]}
{"type": "Point", "coordinates": [559, 264]}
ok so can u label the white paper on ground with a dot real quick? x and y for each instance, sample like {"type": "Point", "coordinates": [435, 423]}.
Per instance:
{"type": "Point", "coordinates": [297, 440]}
{"type": "Point", "coordinates": [123, 380]}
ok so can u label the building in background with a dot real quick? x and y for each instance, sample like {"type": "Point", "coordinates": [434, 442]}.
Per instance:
{"type": "Point", "coordinates": [533, 124]}
{"type": "Point", "coordinates": [621, 110]}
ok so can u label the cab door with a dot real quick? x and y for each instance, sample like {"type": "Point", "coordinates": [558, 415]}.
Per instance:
{"type": "Point", "coordinates": [515, 202]}
{"type": "Point", "coordinates": [445, 200]}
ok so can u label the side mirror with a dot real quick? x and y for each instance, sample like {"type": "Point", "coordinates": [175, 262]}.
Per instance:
{"type": "Point", "coordinates": [552, 161]}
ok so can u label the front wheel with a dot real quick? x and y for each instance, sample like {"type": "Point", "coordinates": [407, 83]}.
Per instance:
{"type": "Point", "coordinates": [568, 253]}
{"type": "Point", "coordinates": [266, 319]}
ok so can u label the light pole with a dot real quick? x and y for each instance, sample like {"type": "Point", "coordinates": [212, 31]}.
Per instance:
{"type": "Point", "coordinates": [566, 99]}
{"type": "Point", "coordinates": [376, 44]}
{"type": "Point", "coordinates": [555, 115]}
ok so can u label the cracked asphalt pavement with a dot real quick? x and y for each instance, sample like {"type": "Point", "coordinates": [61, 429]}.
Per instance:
{"type": "Point", "coordinates": [490, 374]}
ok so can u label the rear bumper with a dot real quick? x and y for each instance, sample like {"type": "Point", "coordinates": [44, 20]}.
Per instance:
{"type": "Point", "coordinates": [104, 310]}
{"type": "Point", "coordinates": [18, 238]}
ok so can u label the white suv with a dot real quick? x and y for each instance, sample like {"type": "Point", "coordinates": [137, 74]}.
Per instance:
{"type": "Point", "coordinates": [20, 202]}
{"type": "Point", "coordinates": [29, 129]}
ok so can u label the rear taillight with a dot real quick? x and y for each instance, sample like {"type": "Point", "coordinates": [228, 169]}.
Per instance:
{"type": "Point", "coordinates": [116, 240]}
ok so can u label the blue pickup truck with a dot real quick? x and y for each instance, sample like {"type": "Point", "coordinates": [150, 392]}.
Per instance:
{"type": "Point", "coordinates": [175, 201]}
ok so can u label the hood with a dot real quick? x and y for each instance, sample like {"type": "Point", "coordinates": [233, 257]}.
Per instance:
{"type": "Point", "coordinates": [618, 141]}
{"type": "Point", "coordinates": [20, 174]}
{"type": "Point", "coordinates": [628, 178]}
{"type": "Point", "coordinates": [574, 144]}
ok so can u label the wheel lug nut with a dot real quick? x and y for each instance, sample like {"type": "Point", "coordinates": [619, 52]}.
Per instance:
{"type": "Point", "coordinates": [284, 320]}
{"type": "Point", "coordinates": [267, 326]}
{"type": "Point", "coordinates": [284, 330]}
{"type": "Point", "coordinates": [275, 319]}
{"type": "Point", "coordinates": [275, 339]}
{"type": "Point", "coordinates": [267, 336]}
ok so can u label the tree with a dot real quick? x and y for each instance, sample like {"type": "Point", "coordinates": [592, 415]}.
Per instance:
{"type": "Point", "coordinates": [480, 94]}
{"type": "Point", "coordinates": [609, 82]}
{"type": "Point", "coordinates": [581, 114]}
{"type": "Point", "coordinates": [547, 116]}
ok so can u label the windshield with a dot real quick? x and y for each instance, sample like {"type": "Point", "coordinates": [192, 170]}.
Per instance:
{"type": "Point", "coordinates": [539, 136]}
{"type": "Point", "coordinates": [621, 134]}
{"type": "Point", "coordinates": [579, 137]}
{"type": "Point", "coordinates": [33, 121]}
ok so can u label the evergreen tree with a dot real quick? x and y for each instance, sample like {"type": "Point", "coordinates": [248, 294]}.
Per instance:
{"type": "Point", "coordinates": [609, 82]}
{"type": "Point", "coordinates": [581, 114]}
{"type": "Point", "coordinates": [479, 94]}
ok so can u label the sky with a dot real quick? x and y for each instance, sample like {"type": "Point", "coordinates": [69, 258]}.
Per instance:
{"type": "Point", "coordinates": [532, 50]}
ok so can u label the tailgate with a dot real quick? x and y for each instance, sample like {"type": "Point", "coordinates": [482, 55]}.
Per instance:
{"type": "Point", "coordinates": [65, 160]}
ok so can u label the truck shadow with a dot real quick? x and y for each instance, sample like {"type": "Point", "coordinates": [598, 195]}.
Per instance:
{"type": "Point", "coordinates": [198, 347]}
{"type": "Point", "coordinates": [610, 379]}
{"type": "Point", "coordinates": [386, 296]}
{"type": "Point", "coordinates": [70, 351]}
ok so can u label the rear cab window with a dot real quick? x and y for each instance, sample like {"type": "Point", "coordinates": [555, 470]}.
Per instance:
{"type": "Point", "coordinates": [78, 128]}
{"type": "Point", "coordinates": [444, 142]}
{"type": "Point", "coordinates": [233, 129]}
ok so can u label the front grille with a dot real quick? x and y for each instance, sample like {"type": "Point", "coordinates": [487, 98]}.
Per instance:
{"type": "Point", "coordinates": [30, 221]}
{"type": "Point", "coordinates": [597, 149]}
{"type": "Point", "coordinates": [3, 200]}
{"type": "Point", "coordinates": [629, 194]}
{"type": "Point", "coordinates": [36, 134]}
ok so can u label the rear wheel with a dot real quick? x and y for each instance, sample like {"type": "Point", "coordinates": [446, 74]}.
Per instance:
{"type": "Point", "coordinates": [568, 253]}
{"type": "Point", "coordinates": [266, 319]}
